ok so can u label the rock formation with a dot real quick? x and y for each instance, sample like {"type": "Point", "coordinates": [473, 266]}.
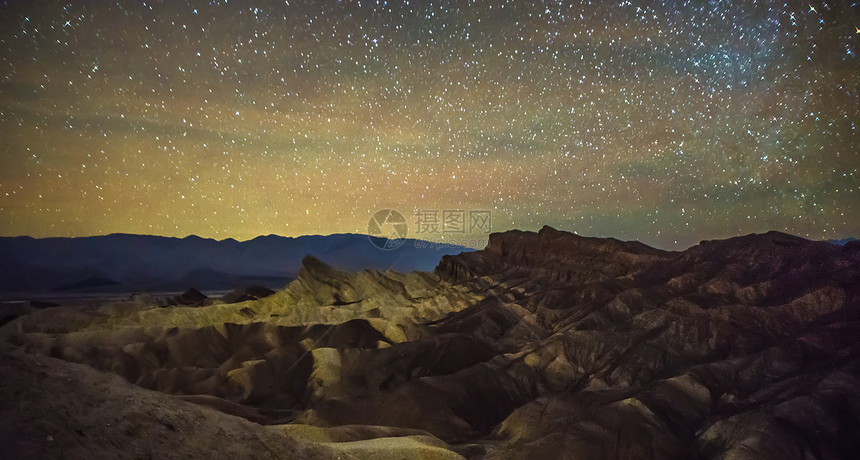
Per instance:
{"type": "Point", "coordinates": [245, 293]}
{"type": "Point", "coordinates": [542, 345]}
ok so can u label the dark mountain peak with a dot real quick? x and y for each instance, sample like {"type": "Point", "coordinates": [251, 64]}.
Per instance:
{"type": "Point", "coordinates": [246, 293]}
{"type": "Point", "coordinates": [578, 243]}
{"type": "Point", "coordinates": [772, 237]}
{"type": "Point", "coordinates": [192, 298]}
{"type": "Point", "coordinates": [558, 254]}
{"type": "Point", "coordinates": [313, 268]}
{"type": "Point", "coordinates": [269, 237]}
{"type": "Point", "coordinates": [760, 250]}
{"type": "Point", "coordinates": [193, 293]}
{"type": "Point", "coordinates": [559, 244]}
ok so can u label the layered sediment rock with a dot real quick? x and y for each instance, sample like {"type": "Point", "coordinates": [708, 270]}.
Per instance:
{"type": "Point", "coordinates": [543, 344]}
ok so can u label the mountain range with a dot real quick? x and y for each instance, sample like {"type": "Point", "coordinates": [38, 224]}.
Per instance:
{"type": "Point", "coordinates": [144, 263]}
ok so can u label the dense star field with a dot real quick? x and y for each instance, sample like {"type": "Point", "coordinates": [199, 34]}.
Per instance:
{"type": "Point", "coordinates": [668, 122]}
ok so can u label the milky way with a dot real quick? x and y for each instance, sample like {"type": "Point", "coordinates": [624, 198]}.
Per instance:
{"type": "Point", "coordinates": [667, 122]}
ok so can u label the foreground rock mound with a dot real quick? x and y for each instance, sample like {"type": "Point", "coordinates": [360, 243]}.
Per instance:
{"type": "Point", "coordinates": [55, 409]}
{"type": "Point", "coordinates": [542, 345]}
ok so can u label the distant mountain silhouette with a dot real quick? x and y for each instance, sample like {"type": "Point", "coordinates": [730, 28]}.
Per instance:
{"type": "Point", "coordinates": [123, 262]}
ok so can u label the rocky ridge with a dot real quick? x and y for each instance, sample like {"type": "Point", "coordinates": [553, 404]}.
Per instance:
{"type": "Point", "coordinates": [543, 344]}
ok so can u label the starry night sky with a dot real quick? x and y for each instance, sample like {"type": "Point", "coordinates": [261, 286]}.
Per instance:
{"type": "Point", "coordinates": [668, 122]}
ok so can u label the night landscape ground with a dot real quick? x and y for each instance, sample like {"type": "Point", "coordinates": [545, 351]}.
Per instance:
{"type": "Point", "coordinates": [541, 345]}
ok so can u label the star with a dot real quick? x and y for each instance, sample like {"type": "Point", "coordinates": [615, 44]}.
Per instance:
{"type": "Point", "coordinates": [226, 121]}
